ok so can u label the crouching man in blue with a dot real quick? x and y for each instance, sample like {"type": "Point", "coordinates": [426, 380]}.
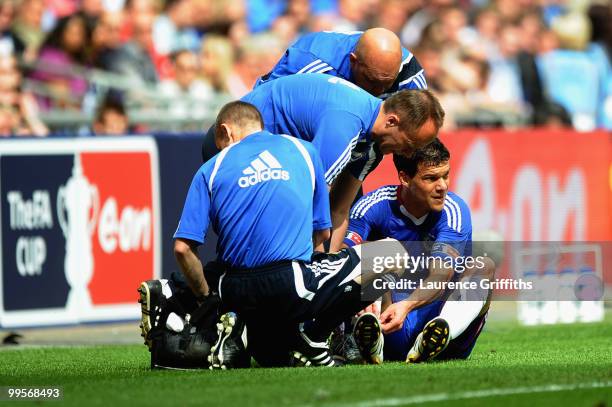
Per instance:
{"type": "Point", "coordinates": [422, 324]}
{"type": "Point", "coordinates": [265, 196]}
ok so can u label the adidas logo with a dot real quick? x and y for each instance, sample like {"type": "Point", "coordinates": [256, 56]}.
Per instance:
{"type": "Point", "coordinates": [264, 168]}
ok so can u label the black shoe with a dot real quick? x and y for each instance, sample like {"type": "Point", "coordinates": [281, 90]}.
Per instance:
{"type": "Point", "coordinates": [369, 338]}
{"type": "Point", "coordinates": [229, 352]}
{"type": "Point", "coordinates": [344, 347]}
{"type": "Point", "coordinates": [151, 302]}
{"type": "Point", "coordinates": [432, 340]}
{"type": "Point", "coordinates": [180, 350]}
{"type": "Point", "coordinates": [308, 353]}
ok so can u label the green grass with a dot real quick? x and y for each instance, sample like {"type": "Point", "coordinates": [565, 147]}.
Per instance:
{"type": "Point", "coordinates": [506, 356]}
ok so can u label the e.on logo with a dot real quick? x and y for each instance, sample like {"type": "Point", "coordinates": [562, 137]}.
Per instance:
{"type": "Point", "coordinates": [122, 223]}
{"type": "Point", "coordinates": [126, 230]}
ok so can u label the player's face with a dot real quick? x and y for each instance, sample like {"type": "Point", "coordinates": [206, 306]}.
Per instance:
{"type": "Point", "coordinates": [430, 185]}
{"type": "Point", "coordinates": [401, 142]}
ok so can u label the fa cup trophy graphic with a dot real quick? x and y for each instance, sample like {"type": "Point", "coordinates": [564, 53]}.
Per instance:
{"type": "Point", "coordinates": [77, 210]}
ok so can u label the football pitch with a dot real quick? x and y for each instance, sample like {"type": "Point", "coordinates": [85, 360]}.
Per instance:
{"type": "Point", "coordinates": [561, 365]}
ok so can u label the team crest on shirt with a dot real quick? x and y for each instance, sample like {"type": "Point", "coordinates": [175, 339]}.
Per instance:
{"type": "Point", "coordinates": [264, 168]}
{"type": "Point", "coordinates": [354, 237]}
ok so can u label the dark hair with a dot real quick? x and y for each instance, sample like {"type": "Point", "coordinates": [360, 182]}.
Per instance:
{"type": "Point", "coordinates": [112, 103]}
{"type": "Point", "coordinates": [240, 113]}
{"type": "Point", "coordinates": [435, 153]}
{"type": "Point", "coordinates": [55, 39]}
{"type": "Point", "coordinates": [414, 107]}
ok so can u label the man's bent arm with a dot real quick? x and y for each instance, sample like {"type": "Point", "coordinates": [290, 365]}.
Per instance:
{"type": "Point", "coordinates": [341, 196]}
{"type": "Point", "coordinates": [318, 238]}
{"type": "Point", "coordinates": [186, 255]}
{"type": "Point", "coordinates": [392, 318]}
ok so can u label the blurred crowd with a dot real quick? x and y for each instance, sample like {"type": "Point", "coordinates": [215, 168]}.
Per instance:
{"type": "Point", "coordinates": [494, 63]}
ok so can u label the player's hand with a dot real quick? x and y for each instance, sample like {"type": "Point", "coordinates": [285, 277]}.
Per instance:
{"type": "Point", "coordinates": [372, 308]}
{"type": "Point", "coordinates": [392, 319]}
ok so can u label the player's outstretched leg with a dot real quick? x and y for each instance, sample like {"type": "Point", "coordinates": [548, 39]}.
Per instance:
{"type": "Point", "coordinates": [151, 301]}
{"type": "Point", "coordinates": [432, 340]}
{"type": "Point", "coordinates": [308, 353]}
{"type": "Point", "coordinates": [230, 350]}
{"type": "Point", "coordinates": [369, 337]}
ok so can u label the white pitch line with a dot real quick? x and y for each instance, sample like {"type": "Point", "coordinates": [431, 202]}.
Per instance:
{"type": "Point", "coordinates": [474, 394]}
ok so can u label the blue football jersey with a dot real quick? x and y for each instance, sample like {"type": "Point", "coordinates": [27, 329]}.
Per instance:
{"type": "Point", "coordinates": [380, 214]}
{"type": "Point", "coordinates": [332, 113]}
{"type": "Point", "coordinates": [328, 52]}
{"type": "Point", "coordinates": [264, 196]}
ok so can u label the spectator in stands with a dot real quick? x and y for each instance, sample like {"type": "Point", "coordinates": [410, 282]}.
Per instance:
{"type": "Point", "coordinates": [392, 15]}
{"type": "Point", "coordinates": [600, 49]}
{"type": "Point", "coordinates": [256, 56]}
{"type": "Point", "coordinates": [106, 40]}
{"type": "Point", "coordinates": [505, 81]}
{"type": "Point", "coordinates": [286, 29]}
{"type": "Point", "coordinates": [509, 10]}
{"type": "Point", "coordinates": [187, 95]}
{"type": "Point", "coordinates": [92, 10]}
{"type": "Point", "coordinates": [570, 75]}
{"type": "Point", "coordinates": [173, 29]}
{"type": "Point", "coordinates": [216, 62]}
{"type": "Point", "coordinates": [299, 11]}
{"type": "Point", "coordinates": [132, 10]}
{"type": "Point", "coordinates": [425, 12]}
{"type": "Point", "coordinates": [458, 43]}
{"type": "Point", "coordinates": [351, 15]}
{"type": "Point", "coordinates": [27, 27]}
{"type": "Point", "coordinates": [111, 118]}
{"type": "Point", "coordinates": [133, 60]}
{"type": "Point", "coordinates": [60, 64]}
{"type": "Point", "coordinates": [429, 54]}
{"type": "Point", "coordinates": [10, 44]}
{"type": "Point", "coordinates": [531, 26]}
{"type": "Point", "coordinates": [481, 39]}
{"type": "Point", "coordinates": [20, 112]}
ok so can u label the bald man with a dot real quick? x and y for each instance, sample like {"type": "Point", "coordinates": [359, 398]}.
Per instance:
{"type": "Point", "coordinates": [374, 60]}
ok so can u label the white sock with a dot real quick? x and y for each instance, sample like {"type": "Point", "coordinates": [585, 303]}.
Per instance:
{"type": "Point", "coordinates": [460, 314]}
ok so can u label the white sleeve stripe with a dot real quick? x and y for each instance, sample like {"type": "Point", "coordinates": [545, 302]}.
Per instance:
{"type": "Point", "coordinates": [220, 158]}
{"type": "Point", "coordinates": [329, 68]}
{"type": "Point", "coordinates": [458, 209]}
{"type": "Point", "coordinates": [423, 82]}
{"type": "Point", "coordinates": [448, 217]}
{"type": "Point", "coordinates": [309, 65]}
{"type": "Point", "coordinates": [306, 156]}
{"type": "Point", "coordinates": [366, 168]}
{"type": "Point", "coordinates": [455, 213]}
{"type": "Point", "coordinates": [458, 214]}
{"type": "Point", "coordinates": [386, 197]}
{"type": "Point", "coordinates": [340, 162]}
{"type": "Point", "coordinates": [357, 213]}
{"type": "Point", "coordinates": [418, 81]}
{"type": "Point", "coordinates": [364, 201]}
{"type": "Point", "coordinates": [316, 67]}
{"type": "Point", "coordinates": [329, 179]}
{"type": "Point", "coordinates": [404, 82]}
{"type": "Point", "coordinates": [453, 202]}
